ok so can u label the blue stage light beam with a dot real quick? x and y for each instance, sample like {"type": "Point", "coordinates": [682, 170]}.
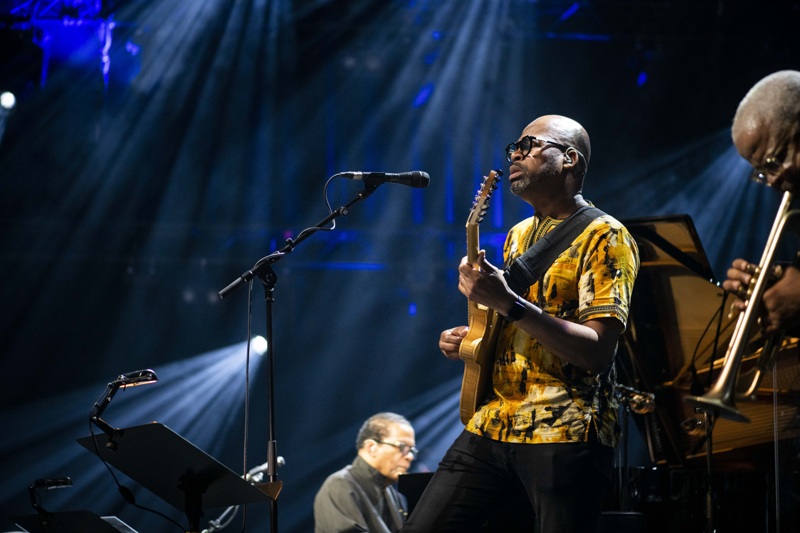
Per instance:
{"type": "Point", "coordinates": [200, 398]}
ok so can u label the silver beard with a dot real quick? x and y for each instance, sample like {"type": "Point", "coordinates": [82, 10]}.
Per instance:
{"type": "Point", "coordinates": [519, 186]}
{"type": "Point", "coordinates": [546, 172]}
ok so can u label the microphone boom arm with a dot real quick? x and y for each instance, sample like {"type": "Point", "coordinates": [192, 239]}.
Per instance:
{"type": "Point", "coordinates": [291, 244]}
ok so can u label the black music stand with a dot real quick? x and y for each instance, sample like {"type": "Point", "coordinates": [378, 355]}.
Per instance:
{"type": "Point", "coordinates": [175, 470]}
{"type": "Point", "coordinates": [65, 522]}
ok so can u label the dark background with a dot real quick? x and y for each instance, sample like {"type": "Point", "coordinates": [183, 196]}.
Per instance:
{"type": "Point", "coordinates": [130, 197]}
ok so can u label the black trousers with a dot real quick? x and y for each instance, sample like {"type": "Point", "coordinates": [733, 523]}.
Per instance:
{"type": "Point", "coordinates": [481, 480]}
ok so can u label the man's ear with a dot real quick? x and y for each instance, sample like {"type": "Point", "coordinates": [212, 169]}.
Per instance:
{"type": "Point", "coordinates": [571, 158]}
{"type": "Point", "coordinates": [572, 162]}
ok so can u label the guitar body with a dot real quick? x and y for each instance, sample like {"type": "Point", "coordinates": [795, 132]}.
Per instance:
{"type": "Point", "coordinates": [478, 347]}
{"type": "Point", "coordinates": [477, 351]}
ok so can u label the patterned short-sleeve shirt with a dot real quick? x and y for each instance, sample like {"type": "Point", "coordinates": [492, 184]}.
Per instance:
{"type": "Point", "coordinates": [536, 398]}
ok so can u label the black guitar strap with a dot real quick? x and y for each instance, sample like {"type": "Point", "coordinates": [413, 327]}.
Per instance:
{"type": "Point", "coordinates": [528, 268]}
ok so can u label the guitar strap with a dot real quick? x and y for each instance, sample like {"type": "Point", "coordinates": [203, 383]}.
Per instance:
{"type": "Point", "coordinates": [528, 268]}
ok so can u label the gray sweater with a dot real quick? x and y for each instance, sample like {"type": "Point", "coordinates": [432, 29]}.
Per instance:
{"type": "Point", "coordinates": [358, 498]}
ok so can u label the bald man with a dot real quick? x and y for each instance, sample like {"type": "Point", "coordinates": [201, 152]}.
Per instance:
{"type": "Point", "coordinates": [543, 438]}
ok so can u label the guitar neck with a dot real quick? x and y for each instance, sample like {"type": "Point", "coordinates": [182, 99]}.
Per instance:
{"type": "Point", "coordinates": [477, 354]}
{"type": "Point", "coordinates": [473, 244]}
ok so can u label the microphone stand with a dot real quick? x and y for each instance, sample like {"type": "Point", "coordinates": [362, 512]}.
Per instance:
{"type": "Point", "coordinates": [267, 275]}
{"type": "Point", "coordinates": [711, 513]}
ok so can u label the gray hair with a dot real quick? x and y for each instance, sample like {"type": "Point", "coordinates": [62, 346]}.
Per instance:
{"type": "Point", "coordinates": [774, 101]}
{"type": "Point", "coordinates": [376, 427]}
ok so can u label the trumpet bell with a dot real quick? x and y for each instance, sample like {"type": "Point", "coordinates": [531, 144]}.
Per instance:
{"type": "Point", "coordinates": [720, 405]}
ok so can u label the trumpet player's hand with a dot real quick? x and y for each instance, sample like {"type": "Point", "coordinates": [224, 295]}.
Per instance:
{"type": "Point", "coordinates": [740, 274]}
{"type": "Point", "coordinates": [780, 302]}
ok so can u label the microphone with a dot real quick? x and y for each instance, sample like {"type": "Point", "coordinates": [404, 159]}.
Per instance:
{"type": "Point", "coordinates": [256, 474]}
{"type": "Point", "coordinates": [415, 178]}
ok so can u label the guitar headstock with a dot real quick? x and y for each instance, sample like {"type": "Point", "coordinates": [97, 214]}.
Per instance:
{"type": "Point", "coordinates": [481, 203]}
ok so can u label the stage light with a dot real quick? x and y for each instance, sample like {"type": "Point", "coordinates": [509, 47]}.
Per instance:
{"type": "Point", "coordinates": [259, 344]}
{"type": "Point", "coordinates": [7, 100]}
{"type": "Point", "coordinates": [123, 381]}
{"type": "Point", "coordinates": [571, 10]}
{"type": "Point", "coordinates": [7, 103]}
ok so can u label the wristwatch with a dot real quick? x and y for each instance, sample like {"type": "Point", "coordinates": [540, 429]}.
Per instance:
{"type": "Point", "coordinates": [517, 310]}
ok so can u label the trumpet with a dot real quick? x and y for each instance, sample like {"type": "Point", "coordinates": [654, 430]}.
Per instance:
{"type": "Point", "coordinates": [640, 402]}
{"type": "Point", "coordinates": [730, 386]}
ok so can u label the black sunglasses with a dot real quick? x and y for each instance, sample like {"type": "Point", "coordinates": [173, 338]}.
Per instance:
{"type": "Point", "coordinates": [528, 143]}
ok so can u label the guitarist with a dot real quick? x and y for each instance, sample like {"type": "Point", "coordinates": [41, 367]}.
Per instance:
{"type": "Point", "coordinates": [546, 432]}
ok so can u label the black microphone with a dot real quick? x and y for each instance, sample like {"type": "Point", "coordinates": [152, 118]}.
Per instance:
{"type": "Point", "coordinates": [415, 178]}
{"type": "Point", "coordinates": [257, 474]}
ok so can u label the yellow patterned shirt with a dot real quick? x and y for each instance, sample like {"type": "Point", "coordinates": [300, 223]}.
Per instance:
{"type": "Point", "coordinates": [536, 398]}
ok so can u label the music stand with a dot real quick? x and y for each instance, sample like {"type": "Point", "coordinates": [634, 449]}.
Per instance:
{"type": "Point", "coordinates": [175, 470]}
{"type": "Point", "coordinates": [65, 522]}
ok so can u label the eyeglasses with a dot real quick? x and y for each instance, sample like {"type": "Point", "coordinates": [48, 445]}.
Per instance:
{"type": "Point", "coordinates": [528, 143]}
{"type": "Point", "coordinates": [402, 447]}
{"type": "Point", "coordinates": [771, 167]}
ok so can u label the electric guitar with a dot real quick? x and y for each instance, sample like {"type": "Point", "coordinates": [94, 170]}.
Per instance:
{"type": "Point", "coordinates": [477, 348]}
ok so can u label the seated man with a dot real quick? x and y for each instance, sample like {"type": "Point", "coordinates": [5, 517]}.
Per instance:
{"type": "Point", "coordinates": [362, 496]}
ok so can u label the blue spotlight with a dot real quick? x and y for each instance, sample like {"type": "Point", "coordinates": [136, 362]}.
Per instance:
{"type": "Point", "coordinates": [571, 10]}
{"type": "Point", "coordinates": [412, 309]}
{"type": "Point", "coordinates": [423, 95]}
{"type": "Point", "coordinates": [641, 79]}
